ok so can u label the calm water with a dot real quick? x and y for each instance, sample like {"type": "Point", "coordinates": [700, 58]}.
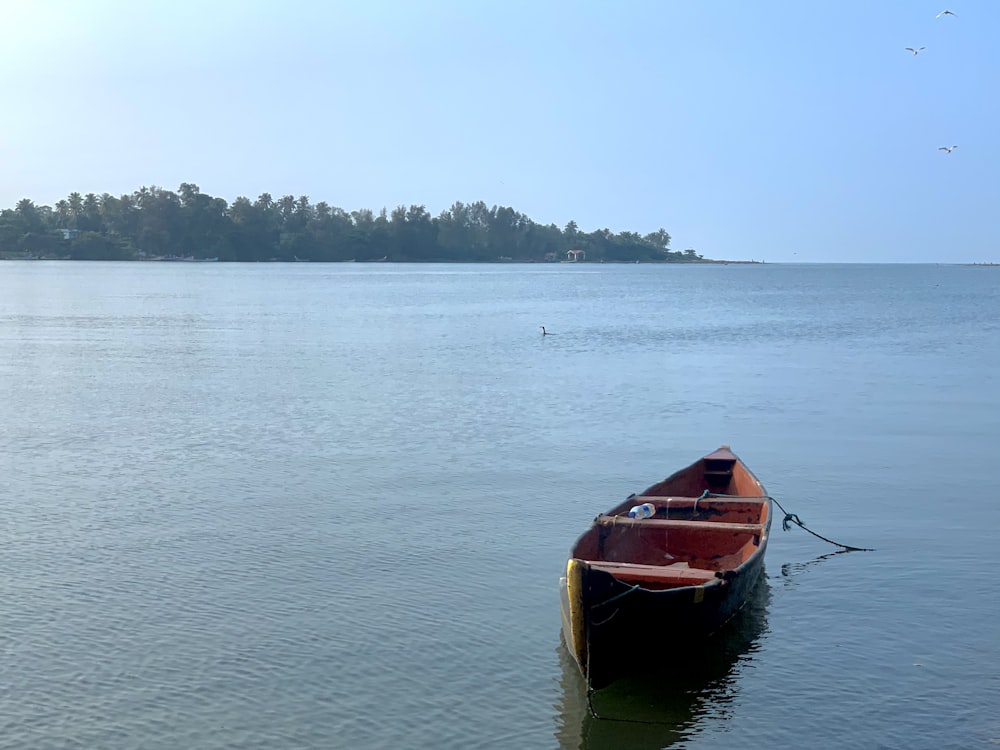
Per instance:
{"type": "Point", "coordinates": [315, 506]}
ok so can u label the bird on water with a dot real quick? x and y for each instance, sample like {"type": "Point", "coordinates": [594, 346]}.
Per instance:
{"type": "Point", "coordinates": [544, 332]}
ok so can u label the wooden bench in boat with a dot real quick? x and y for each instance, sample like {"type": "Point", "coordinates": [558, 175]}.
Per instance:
{"type": "Point", "coordinates": [677, 501]}
{"type": "Point", "coordinates": [668, 523]}
{"type": "Point", "coordinates": [676, 574]}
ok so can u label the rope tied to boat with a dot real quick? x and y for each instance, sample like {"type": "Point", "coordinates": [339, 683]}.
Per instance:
{"type": "Point", "coordinates": [791, 518]}
{"type": "Point", "coordinates": [788, 519]}
{"type": "Point", "coordinates": [618, 596]}
{"type": "Point", "coordinates": [694, 508]}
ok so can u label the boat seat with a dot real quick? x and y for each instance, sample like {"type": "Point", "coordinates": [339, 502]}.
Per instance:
{"type": "Point", "coordinates": [677, 574]}
{"type": "Point", "coordinates": [679, 501]}
{"type": "Point", "coordinates": [667, 523]}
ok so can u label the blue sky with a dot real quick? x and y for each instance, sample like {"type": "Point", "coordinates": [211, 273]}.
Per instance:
{"type": "Point", "coordinates": [790, 131]}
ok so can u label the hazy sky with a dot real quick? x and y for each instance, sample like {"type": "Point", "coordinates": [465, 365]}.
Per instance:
{"type": "Point", "coordinates": [797, 130]}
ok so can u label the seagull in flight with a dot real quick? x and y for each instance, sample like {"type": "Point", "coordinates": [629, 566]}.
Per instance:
{"type": "Point", "coordinates": [944, 13]}
{"type": "Point", "coordinates": [947, 148]}
{"type": "Point", "coordinates": [915, 51]}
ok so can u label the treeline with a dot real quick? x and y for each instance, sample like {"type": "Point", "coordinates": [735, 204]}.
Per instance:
{"type": "Point", "coordinates": [153, 223]}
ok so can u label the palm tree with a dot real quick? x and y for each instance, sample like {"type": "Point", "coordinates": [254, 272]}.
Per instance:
{"type": "Point", "coordinates": [62, 213]}
{"type": "Point", "coordinates": [75, 201]}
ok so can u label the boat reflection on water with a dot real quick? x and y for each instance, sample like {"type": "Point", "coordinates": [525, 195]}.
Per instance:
{"type": "Point", "coordinates": [663, 707]}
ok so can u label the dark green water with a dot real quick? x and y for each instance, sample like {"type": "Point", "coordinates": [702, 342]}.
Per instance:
{"type": "Point", "coordinates": [310, 506]}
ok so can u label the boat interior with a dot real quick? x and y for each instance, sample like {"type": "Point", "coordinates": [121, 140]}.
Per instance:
{"type": "Point", "coordinates": [690, 539]}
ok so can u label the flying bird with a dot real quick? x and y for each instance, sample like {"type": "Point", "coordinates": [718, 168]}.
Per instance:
{"type": "Point", "coordinates": [947, 148]}
{"type": "Point", "coordinates": [916, 51]}
{"type": "Point", "coordinates": [944, 13]}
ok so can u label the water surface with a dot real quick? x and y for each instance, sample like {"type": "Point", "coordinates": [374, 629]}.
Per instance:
{"type": "Point", "coordinates": [305, 505]}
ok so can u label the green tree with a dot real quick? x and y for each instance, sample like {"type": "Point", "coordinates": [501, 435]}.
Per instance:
{"type": "Point", "coordinates": [94, 246]}
{"type": "Point", "coordinates": [75, 201]}
{"type": "Point", "coordinates": [659, 238]}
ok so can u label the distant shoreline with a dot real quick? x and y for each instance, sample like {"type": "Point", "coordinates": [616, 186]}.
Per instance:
{"type": "Point", "coordinates": [505, 262]}
{"type": "Point", "coordinates": [155, 223]}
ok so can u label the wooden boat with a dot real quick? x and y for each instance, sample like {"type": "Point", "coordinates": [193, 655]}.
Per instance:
{"type": "Point", "coordinates": [638, 589]}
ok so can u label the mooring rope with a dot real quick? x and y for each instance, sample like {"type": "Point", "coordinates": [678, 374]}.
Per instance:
{"type": "Point", "coordinates": [616, 597]}
{"type": "Point", "coordinates": [791, 518]}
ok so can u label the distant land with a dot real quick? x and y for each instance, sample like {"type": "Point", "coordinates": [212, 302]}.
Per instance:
{"type": "Point", "coordinates": [187, 225]}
